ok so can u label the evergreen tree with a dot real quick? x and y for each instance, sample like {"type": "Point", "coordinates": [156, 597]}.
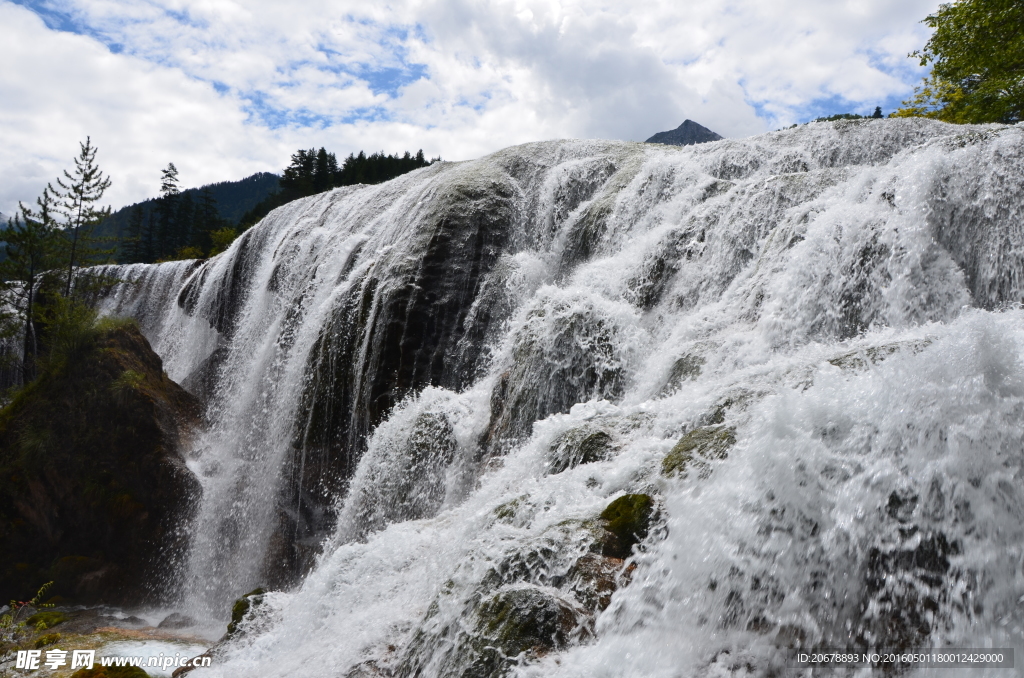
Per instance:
{"type": "Point", "coordinates": [207, 220]}
{"type": "Point", "coordinates": [877, 113]}
{"type": "Point", "coordinates": [134, 245]}
{"type": "Point", "coordinates": [151, 236]}
{"type": "Point", "coordinates": [32, 249]}
{"type": "Point", "coordinates": [297, 178]}
{"type": "Point", "coordinates": [167, 211]}
{"type": "Point", "coordinates": [183, 223]}
{"type": "Point", "coordinates": [323, 171]}
{"type": "Point", "coordinates": [75, 201]}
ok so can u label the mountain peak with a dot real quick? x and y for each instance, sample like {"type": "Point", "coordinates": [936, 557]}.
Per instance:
{"type": "Point", "coordinates": [684, 135]}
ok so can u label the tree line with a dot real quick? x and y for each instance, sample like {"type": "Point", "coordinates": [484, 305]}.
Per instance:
{"type": "Point", "coordinates": [315, 171]}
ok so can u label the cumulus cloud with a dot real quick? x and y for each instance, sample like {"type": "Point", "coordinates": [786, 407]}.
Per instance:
{"type": "Point", "coordinates": [223, 87]}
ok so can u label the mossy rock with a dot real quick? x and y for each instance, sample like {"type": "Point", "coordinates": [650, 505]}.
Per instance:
{"type": "Point", "coordinates": [507, 512]}
{"type": "Point", "coordinates": [527, 618]}
{"type": "Point", "coordinates": [627, 520]}
{"type": "Point", "coordinates": [242, 607]}
{"type": "Point", "coordinates": [579, 446]}
{"type": "Point", "coordinates": [696, 449]}
{"type": "Point", "coordinates": [685, 368]}
{"type": "Point", "coordinates": [48, 639]}
{"type": "Point", "coordinates": [111, 672]}
{"type": "Point", "coordinates": [48, 619]}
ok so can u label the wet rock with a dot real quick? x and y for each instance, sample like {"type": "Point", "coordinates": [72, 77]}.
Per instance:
{"type": "Point", "coordinates": [685, 368]}
{"type": "Point", "coordinates": [906, 584]}
{"type": "Point", "coordinates": [568, 351]}
{"type": "Point", "coordinates": [176, 620]}
{"type": "Point", "coordinates": [408, 478]}
{"type": "Point", "coordinates": [594, 578]}
{"type": "Point", "coordinates": [536, 600]}
{"type": "Point", "coordinates": [367, 669]}
{"type": "Point", "coordinates": [510, 511]}
{"type": "Point", "coordinates": [577, 446]}
{"type": "Point", "coordinates": [901, 505]}
{"type": "Point", "coordinates": [627, 521]}
{"type": "Point", "coordinates": [95, 486]}
{"type": "Point", "coordinates": [697, 448]}
{"type": "Point", "coordinates": [527, 619]}
{"type": "Point", "coordinates": [873, 355]}
{"type": "Point", "coordinates": [188, 668]}
{"type": "Point", "coordinates": [242, 607]}
{"type": "Point", "coordinates": [402, 325]}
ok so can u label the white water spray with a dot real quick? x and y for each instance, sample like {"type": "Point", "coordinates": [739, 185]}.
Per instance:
{"type": "Point", "coordinates": [841, 297]}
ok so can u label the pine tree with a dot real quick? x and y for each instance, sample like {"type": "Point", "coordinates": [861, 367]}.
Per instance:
{"type": "Point", "coordinates": [167, 211]}
{"type": "Point", "coordinates": [75, 201]}
{"type": "Point", "coordinates": [135, 244]}
{"type": "Point", "coordinates": [32, 258]}
{"type": "Point", "coordinates": [150, 238]}
{"type": "Point", "coordinates": [323, 171]}
{"type": "Point", "coordinates": [184, 217]}
{"type": "Point", "coordinates": [207, 220]}
{"type": "Point", "coordinates": [877, 113]}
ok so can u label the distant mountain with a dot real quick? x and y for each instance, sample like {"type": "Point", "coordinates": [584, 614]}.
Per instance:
{"type": "Point", "coordinates": [684, 135]}
{"type": "Point", "coordinates": [234, 198]}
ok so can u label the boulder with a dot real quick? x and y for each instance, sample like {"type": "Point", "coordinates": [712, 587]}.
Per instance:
{"type": "Point", "coordinates": [176, 620]}
{"type": "Point", "coordinates": [242, 607]}
{"type": "Point", "coordinates": [582, 445]}
{"type": "Point", "coordinates": [627, 520]}
{"type": "Point", "coordinates": [696, 449]}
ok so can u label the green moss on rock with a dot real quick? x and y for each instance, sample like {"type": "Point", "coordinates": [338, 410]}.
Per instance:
{"type": "Point", "coordinates": [526, 618]}
{"type": "Point", "coordinates": [48, 639]}
{"type": "Point", "coordinates": [627, 520]}
{"type": "Point", "coordinates": [46, 619]}
{"type": "Point", "coordinates": [508, 511]}
{"type": "Point", "coordinates": [696, 449]}
{"type": "Point", "coordinates": [242, 607]}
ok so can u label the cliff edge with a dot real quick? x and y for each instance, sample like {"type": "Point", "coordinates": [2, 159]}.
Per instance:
{"type": "Point", "coordinates": [94, 485]}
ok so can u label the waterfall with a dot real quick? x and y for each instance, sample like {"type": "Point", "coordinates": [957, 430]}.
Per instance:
{"type": "Point", "coordinates": [803, 346]}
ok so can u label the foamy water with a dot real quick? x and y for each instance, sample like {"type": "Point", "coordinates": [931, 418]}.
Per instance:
{"type": "Point", "coordinates": [843, 297]}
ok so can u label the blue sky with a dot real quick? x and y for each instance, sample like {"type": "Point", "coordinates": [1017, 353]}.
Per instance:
{"type": "Point", "coordinates": [224, 88]}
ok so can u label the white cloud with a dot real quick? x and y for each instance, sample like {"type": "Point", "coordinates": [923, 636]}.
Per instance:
{"type": "Point", "coordinates": [224, 88]}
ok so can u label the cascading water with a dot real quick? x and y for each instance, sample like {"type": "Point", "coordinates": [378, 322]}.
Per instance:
{"type": "Point", "coordinates": [804, 346]}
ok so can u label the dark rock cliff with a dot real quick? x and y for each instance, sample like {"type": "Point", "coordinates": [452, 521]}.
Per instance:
{"type": "Point", "coordinates": [94, 489]}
